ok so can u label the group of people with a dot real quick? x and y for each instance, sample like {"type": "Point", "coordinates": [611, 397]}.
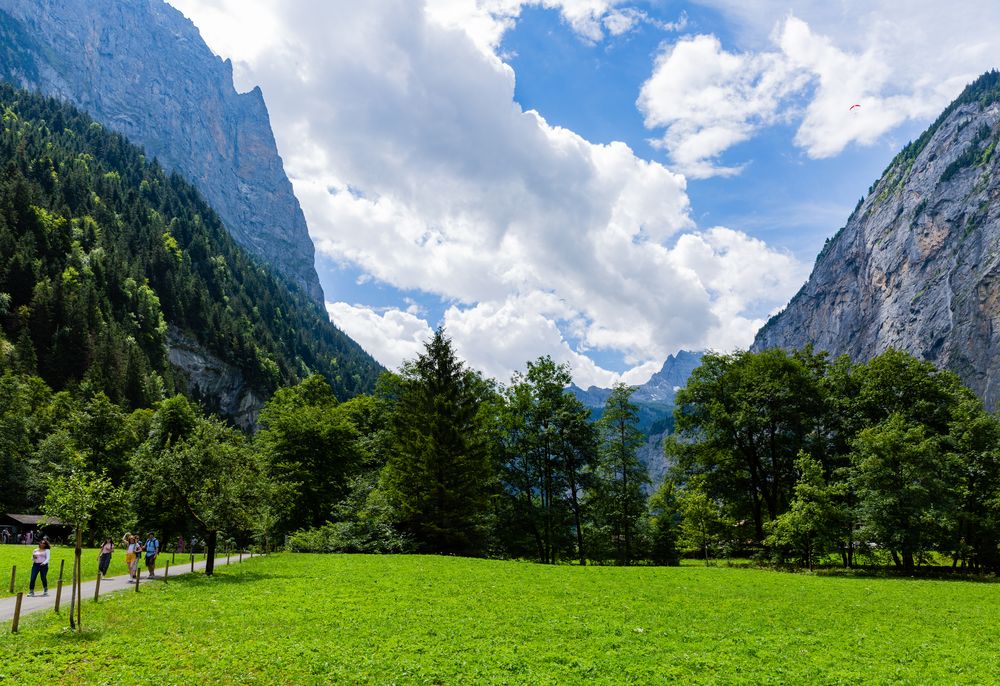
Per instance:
{"type": "Point", "coordinates": [8, 536]}
{"type": "Point", "coordinates": [134, 551]}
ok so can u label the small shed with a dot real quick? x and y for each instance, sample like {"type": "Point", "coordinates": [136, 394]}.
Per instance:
{"type": "Point", "coordinates": [19, 524]}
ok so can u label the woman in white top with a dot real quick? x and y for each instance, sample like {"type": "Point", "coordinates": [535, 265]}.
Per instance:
{"type": "Point", "coordinates": [40, 565]}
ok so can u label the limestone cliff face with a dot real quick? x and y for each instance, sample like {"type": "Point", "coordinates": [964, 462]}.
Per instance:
{"type": "Point", "coordinates": [214, 381]}
{"type": "Point", "coordinates": [917, 267]}
{"type": "Point", "coordinates": [141, 68]}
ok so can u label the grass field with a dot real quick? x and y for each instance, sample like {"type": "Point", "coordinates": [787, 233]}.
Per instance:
{"type": "Point", "coordinates": [20, 555]}
{"type": "Point", "coordinates": [303, 619]}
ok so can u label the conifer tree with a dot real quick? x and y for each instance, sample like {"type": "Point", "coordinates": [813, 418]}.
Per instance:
{"type": "Point", "coordinates": [438, 471]}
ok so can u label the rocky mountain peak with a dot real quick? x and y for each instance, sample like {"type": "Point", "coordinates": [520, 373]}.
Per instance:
{"type": "Point", "coordinates": [917, 266]}
{"type": "Point", "coordinates": [142, 69]}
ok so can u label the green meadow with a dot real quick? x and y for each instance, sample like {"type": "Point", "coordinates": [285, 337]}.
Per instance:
{"type": "Point", "coordinates": [310, 619]}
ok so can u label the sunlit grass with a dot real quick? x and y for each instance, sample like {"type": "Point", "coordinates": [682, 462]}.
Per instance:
{"type": "Point", "coordinates": [292, 619]}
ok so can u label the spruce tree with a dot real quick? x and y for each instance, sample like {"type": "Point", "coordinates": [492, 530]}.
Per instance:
{"type": "Point", "coordinates": [438, 471]}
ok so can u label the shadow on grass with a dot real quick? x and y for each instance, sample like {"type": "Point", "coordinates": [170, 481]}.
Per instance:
{"type": "Point", "coordinates": [865, 572]}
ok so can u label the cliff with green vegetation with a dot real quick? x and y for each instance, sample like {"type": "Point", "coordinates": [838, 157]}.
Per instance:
{"type": "Point", "coordinates": [917, 266]}
{"type": "Point", "coordinates": [118, 276]}
{"type": "Point", "coordinates": [143, 70]}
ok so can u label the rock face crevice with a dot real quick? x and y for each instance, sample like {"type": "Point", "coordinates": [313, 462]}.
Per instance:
{"type": "Point", "coordinates": [142, 69]}
{"type": "Point", "coordinates": [917, 266]}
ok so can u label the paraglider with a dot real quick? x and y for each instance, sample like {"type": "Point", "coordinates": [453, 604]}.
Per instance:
{"type": "Point", "coordinates": [853, 106]}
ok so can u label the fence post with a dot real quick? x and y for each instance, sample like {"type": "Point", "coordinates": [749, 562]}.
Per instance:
{"type": "Point", "coordinates": [173, 556]}
{"type": "Point", "coordinates": [17, 612]}
{"type": "Point", "coordinates": [138, 576]}
{"type": "Point", "coordinates": [97, 587]}
{"type": "Point", "coordinates": [58, 592]}
{"type": "Point", "coordinates": [62, 563]}
{"type": "Point", "coordinates": [241, 554]}
{"type": "Point", "coordinates": [13, 575]}
{"type": "Point", "coordinates": [192, 562]}
{"type": "Point", "coordinates": [166, 573]}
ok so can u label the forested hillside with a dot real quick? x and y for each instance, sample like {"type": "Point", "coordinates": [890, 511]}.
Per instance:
{"type": "Point", "coordinates": [102, 252]}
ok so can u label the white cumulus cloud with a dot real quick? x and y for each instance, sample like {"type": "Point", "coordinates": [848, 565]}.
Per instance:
{"type": "Point", "coordinates": [809, 68]}
{"type": "Point", "coordinates": [412, 160]}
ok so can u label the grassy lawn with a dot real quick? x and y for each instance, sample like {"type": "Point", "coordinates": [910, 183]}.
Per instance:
{"type": "Point", "coordinates": [20, 555]}
{"type": "Point", "coordinates": [305, 619]}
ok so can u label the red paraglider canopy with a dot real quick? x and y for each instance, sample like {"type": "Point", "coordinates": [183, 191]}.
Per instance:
{"type": "Point", "coordinates": [853, 106]}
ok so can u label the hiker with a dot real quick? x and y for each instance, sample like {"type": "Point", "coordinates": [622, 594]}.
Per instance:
{"type": "Point", "coordinates": [104, 558]}
{"type": "Point", "coordinates": [40, 565]}
{"type": "Point", "coordinates": [152, 549]}
{"type": "Point", "coordinates": [180, 543]}
{"type": "Point", "coordinates": [132, 556]}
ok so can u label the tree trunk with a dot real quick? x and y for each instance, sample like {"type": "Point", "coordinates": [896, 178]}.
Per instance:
{"type": "Point", "coordinates": [579, 524]}
{"type": "Point", "coordinates": [210, 558]}
{"type": "Point", "coordinates": [907, 559]}
{"type": "Point", "coordinates": [79, 580]}
{"type": "Point", "coordinates": [895, 558]}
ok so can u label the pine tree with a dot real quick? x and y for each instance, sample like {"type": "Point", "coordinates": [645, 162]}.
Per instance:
{"type": "Point", "coordinates": [438, 471]}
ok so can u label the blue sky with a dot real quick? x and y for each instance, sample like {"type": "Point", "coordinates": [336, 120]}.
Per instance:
{"type": "Point", "coordinates": [603, 181]}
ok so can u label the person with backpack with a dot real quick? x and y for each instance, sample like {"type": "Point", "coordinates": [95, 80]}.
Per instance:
{"type": "Point", "coordinates": [152, 549]}
{"type": "Point", "coordinates": [40, 565]}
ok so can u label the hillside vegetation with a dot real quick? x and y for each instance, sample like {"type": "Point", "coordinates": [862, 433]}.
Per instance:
{"type": "Point", "coordinates": [101, 251]}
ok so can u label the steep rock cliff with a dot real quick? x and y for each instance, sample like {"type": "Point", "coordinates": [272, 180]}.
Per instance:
{"type": "Point", "coordinates": [141, 68]}
{"type": "Point", "coordinates": [917, 267]}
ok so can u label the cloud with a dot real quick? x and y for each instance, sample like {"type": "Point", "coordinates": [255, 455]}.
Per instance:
{"type": "Point", "coordinates": [709, 99]}
{"type": "Point", "coordinates": [809, 68]}
{"type": "Point", "coordinates": [390, 336]}
{"type": "Point", "coordinates": [412, 160]}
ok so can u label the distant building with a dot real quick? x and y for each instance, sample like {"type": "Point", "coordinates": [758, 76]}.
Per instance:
{"type": "Point", "coordinates": [19, 524]}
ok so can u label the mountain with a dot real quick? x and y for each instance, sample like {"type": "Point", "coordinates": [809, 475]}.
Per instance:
{"type": "Point", "coordinates": [917, 266]}
{"type": "Point", "coordinates": [141, 68]}
{"type": "Point", "coordinates": [117, 277]}
{"type": "Point", "coordinates": [655, 400]}
{"type": "Point", "coordinates": [664, 384]}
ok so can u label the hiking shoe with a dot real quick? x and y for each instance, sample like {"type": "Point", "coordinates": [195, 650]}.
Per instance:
{"type": "Point", "coordinates": [45, 593]}
{"type": "Point", "coordinates": [31, 594]}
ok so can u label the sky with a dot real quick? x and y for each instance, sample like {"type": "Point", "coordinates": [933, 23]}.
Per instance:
{"type": "Point", "coordinates": [603, 181]}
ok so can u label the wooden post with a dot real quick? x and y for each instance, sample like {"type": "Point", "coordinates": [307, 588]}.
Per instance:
{"type": "Point", "coordinates": [62, 563]}
{"type": "Point", "coordinates": [13, 575]}
{"type": "Point", "coordinates": [192, 562]}
{"type": "Point", "coordinates": [17, 612]}
{"type": "Point", "coordinates": [97, 587]}
{"type": "Point", "coordinates": [137, 577]}
{"type": "Point", "coordinates": [58, 592]}
{"type": "Point", "coordinates": [241, 555]}
{"type": "Point", "coordinates": [173, 556]}
{"type": "Point", "coordinates": [166, 572]}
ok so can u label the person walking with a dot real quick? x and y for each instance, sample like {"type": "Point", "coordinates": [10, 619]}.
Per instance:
{"type": "Point", "coordinates": [40, 557]}
{"type": "Point", "coordinates": [152, 550]}
{"type": "Point", "coordinates": [132, 556]}
{"type": "Point", "coordinates": [104, 557]}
